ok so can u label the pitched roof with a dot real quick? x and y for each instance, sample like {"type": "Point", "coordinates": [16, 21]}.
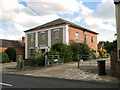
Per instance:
{"type": "Point", "coordinates": [58, 22]}
{"type": "Point", "coordinates": [11, 43]}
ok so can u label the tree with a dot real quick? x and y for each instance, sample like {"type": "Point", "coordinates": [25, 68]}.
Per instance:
{"type": "Point", "coordinates": [79, 48]}
{"type": "Point", "coordinates": [3, 57]}
{"type": "Point", "coordinates": [11, 53]}
{"type": "Point", "coordinates": [63, 50]}
{"type": "Point", "coordinates": [110, 46]}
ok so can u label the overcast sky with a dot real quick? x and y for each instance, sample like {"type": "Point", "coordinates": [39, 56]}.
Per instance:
{"type": "Point", "coordinates": [96, 15]}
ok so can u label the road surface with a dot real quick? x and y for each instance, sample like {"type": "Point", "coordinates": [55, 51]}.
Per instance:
{"type": "Point", "coordinates": [22, 81]}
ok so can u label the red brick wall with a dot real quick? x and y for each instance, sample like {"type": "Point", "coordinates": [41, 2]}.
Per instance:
{"type": "Point", "coordinates": [72, 36]}
{"type": "Point", "coordinates": [2, 49]}
{"type": "Point", "coordinates": [18, 50]}
{"type": "Point", "coordinates": [115, 65]}
{"type": "Point", "coordinates": [89, 43]}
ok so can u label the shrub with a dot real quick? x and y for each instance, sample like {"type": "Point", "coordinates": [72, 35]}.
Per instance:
{"type": "Point", "coordinates": [3, 57]}
{"type": "Point", "coordinates": [40, 61]}
{"type": "Point", "coordinates": [92, 53]}
{"type": "Point", "coordinates": [52, 52]}
{"type": "Point", "coordinates": [64, 51]}
{"type": "Point", "coordinates": [11, 53]}
{"type": "Point", "coordinates": [79, 48]}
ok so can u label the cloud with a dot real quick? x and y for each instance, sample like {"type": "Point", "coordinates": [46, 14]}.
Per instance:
{"type": "Point", "coordinates": [106, 11]}
{"type": "Point", "coordinates": [53, 6]}
{"type": "Point", "coordinates": [102, 20]}
{"type": "Point", "coordinates": [13, 12]}
{"type": "Point", "coordinates": [1, 30]}
{"type": "Point", "coordinates": [77, 19]}
{"type": "Point", "coordinates": [13, 33]}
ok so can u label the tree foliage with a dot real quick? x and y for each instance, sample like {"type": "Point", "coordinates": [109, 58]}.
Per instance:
{"type": "Point", "coordinates": [109, 46]}
{"type": "Point", "coordinates": [11, 53]}
{"type": "Point", "coordinates": [64, 51]}
{"type": "Point", "coordinates": [79, 48]}
{"type": "Point", "coordinates": [3, 57]}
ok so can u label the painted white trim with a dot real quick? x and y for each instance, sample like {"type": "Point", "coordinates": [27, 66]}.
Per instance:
{"type": "Point", "coordinates": [64, 35]}
{"type": "Point", "coordinates": [42, 32]}
{"type": "Point", "coordinates": [56, 27]}
{"type": "Point", "coordinates": [67, 34]}
{"type": "Point", "coordinates": [36, 39]}
{"type": "Point", "coordinates": [56, 30]}
{"type": "Point", "coordinates": [26, 41]}
{"type": "Point", "coordinates": [49, 39]}
{"type": "Point", "coordinates": [31, 48]}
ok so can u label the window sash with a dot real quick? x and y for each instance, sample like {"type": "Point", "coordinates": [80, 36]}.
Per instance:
{"type": "Point", "coordinates": [31, 37]}
{"type": "Point", "coordinates": [92, 39]}
{"type": "Point", "coordinates": [56, 34]}
{"type": "Point", "coordinates": [77, 36]}
{"type": "Point", "coordinates": [31, 52]}
{"type": "Point", "coordinates": [43, 36]}
{"type": "Point", "coordinates": [85, 39]}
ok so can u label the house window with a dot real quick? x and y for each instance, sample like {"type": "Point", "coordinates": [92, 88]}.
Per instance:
{"type": "Point", "coordinates": [31, 52]}
{"type": "Point", "coordinates": [43, 36]}
{"type": "Point", "coordinates": [85, 39]}
{"type": "Point", "coordinates": [92, 39]}
{"type": "Point", "coordinates": [31, 37]}
{"type": "Point", "coordinates": [56, 34]}
{"type": "Point", "coordinates": [77, 36]}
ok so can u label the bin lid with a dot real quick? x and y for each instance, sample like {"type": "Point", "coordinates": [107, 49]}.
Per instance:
{"type": "Point", "coordinates": [101, 60]}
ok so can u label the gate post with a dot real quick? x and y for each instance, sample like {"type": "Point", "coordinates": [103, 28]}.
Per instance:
{"type": "Point", "coordinates": [78, 61]}
{"type": "Point", "coordinates": [45, 61]}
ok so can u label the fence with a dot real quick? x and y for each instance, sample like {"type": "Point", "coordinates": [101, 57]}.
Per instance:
{"type": "Point", "coordinates": [86, 61]}
{"type": "Point", "coordinates": [53, 59]}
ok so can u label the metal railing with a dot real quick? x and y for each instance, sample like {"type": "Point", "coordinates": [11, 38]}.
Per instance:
{"type": "Point", "coordinates": [53, 59]}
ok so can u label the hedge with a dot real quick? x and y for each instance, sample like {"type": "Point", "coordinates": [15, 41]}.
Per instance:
{"type": "Point", "coordinates": [11, 53]}
{"type": "Point", "coordinates": [3, 57]}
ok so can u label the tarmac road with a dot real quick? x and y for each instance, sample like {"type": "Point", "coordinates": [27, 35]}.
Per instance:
{"type": "Point", "coordinates": [22, 81]}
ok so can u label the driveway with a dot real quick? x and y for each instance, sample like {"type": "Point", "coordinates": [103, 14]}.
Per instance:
{"type": "Point", "coordinates": [64, 71]}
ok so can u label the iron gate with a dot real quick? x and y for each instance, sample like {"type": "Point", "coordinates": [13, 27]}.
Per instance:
{"type": "Point", "coordinates": [53, 59]}
{"type": "Point", "coordinates": [86, 61]}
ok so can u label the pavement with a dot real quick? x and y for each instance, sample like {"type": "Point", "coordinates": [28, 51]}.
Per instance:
{"type": "Point", "coordinates": [62, 71]}
{"type": "Point", "coordinates": [23, 81]}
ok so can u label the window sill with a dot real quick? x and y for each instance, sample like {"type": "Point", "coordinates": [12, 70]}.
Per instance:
{"type": "Point", "coordinates": [56, 38]}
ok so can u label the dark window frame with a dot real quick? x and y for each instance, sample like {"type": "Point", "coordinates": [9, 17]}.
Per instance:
{"type": "Point", "coordinates": [31, 52]}
{"type": "Point", "coordinates": [77, 36]}
{"type": "Point", "coordinates": [92, 39]}
{"type": "Point", "coordinates": [56, 34]}
{"type": "Point", "coordinates": [43, 38]}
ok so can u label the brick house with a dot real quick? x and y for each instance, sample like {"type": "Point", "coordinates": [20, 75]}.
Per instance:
{"type": "Point", "coordinates": [101, 46]}
{"type": "Point", "coordinates": [60, 30]}
{"type": "Point", "coordinates": [18, 45]}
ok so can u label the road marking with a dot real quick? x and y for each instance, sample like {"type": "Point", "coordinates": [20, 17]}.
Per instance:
{"type": "Point", "coordinates": [5, 84]}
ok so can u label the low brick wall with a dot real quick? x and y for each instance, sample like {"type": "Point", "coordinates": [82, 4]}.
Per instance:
{"type": "Point", "coordinates": [115, 65]}
{"type": "Point", "coordinates": [28, 62]}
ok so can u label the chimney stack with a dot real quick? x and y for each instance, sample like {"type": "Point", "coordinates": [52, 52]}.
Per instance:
{"type": "Point", "coordinates": [23, 39]}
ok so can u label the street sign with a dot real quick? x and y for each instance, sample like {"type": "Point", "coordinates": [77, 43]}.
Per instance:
{"type": "Point", "coordinates": [43, 45]}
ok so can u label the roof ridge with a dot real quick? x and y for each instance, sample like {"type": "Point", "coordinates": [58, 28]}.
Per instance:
{"type": "Point", "coordinates": [59, 21]}
{"type": "Point", "coordinates": [10, 40]}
